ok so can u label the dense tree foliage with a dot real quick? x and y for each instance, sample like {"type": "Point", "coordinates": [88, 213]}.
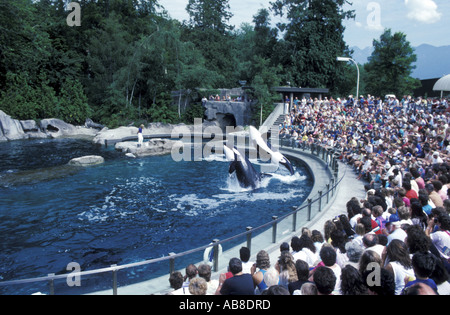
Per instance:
{"type": "Point", "coordinates": [312, 41]}
{"type": "Point", "coordinates": [390, 67]}
{"type": "Point", "coordinates": [123, 62]}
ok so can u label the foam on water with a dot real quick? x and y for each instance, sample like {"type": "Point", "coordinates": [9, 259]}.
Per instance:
{"type": "Point", "coordinates": [122, 201]}
{"type": "Point", "coordinates": [195, 204]}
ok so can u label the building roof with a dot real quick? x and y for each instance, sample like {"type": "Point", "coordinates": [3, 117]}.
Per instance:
{"type": "Point", "coordinates": [443, 84]}
{"type": "Point", "coordinates": [286, 89]}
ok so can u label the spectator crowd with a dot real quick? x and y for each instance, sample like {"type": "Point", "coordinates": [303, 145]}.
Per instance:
{"type": "Point", "coordinates": [393, 241]}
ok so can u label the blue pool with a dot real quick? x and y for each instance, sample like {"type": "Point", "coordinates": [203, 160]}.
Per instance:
{"type": "Point", "coordinates": [123, 211]}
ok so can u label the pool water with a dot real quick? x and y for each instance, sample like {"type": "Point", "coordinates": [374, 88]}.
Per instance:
{"type": "Point", "coordinates": [123, 211]}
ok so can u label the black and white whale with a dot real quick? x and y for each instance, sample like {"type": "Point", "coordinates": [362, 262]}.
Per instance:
{"type": "Point", "coordinates": [246, 174]}
{"type": "Point", "coordinates": [276, 157]}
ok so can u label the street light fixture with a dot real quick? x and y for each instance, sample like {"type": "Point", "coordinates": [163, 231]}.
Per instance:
{"type": "Point", "coordinates": [347, 59]}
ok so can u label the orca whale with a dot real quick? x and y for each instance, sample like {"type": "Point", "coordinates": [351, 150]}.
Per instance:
{"type": "Point", "coordinates": [245, 172]}
{"type": "Point", "coordinates": [276, 157]}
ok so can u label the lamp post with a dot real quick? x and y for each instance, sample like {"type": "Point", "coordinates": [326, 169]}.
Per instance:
{"type": "Point", "coordinates": [347, 59]}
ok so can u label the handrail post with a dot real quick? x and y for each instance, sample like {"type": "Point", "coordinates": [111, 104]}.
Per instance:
{"type": "Point", "coordinates": [249, 238]}
{"type": "Point", "coordinates": [114, 279]}
{"type": "Point", "coordinates": [216, 255]}
{"type": "Point", "coordinates": [51, 283]}
{"type": "Point", "coordinates": [332, 187]}
{"type": "Point", "coordinates": [274, 229]}
{"type": "Point", "coordinates": [172, 263]}
{"type": "Point", "coordinates": [309, 209]}
{"type": "Point", "coordinates": [320, 201]}
{"type": "Point", "coordinates": [328, 193]}
{"type": "Point", "coordinates": [294, 221]}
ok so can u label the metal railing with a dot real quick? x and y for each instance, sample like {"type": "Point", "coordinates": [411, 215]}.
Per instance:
{"type": "Point", "coordinates": [312, 206]}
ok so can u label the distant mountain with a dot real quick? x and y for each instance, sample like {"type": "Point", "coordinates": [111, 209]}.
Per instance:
{"type": "Point", "coordinates": [362, 55]}
{"type": "Point", "coordinates": [432, 62]}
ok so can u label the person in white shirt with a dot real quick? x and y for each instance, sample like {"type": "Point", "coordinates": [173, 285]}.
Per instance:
{"type": "Point", "coordinates": [398, 261]}
{"type": "Point", "coordinates": [244, 254]}
{"type": "Point", "coordinates": [436, 159]}
{"type": "Point", "coordinates": [204, 271]}
{"type": "Point", "coordinates": [395, 232]}
{"type": "Point", "coordinates": [366, 167]}
{"type": "Point", "coordinates": [370, 241]}
{"type": "Point", "coordinates": [441, 237]}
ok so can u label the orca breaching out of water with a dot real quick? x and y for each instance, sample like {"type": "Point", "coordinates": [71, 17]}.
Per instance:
{"type": "Point", "coordinates": [246, 174]}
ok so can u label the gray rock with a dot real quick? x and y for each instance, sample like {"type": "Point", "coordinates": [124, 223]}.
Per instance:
{"type": "Point", "coordinates": [2, 137]}
{"type": "Point", "coordinates": [11, 128]}
{"type": "Point", "coordinates": [153, 147]}
{"type": "Point", "coordinates": [225, 112]}
{"type": "Point", "coordinates": [32, 129]}
{"type": "Point", "coordinates": [29, 125]}
{"type": "Point", "coordinates": [87, 160]}
{"type": "Point", "coordinates": [57, 128]}
{"type": "Point", "coordinates": [115, 135]}
{"type": "Point", "coordinates": [90, 124]}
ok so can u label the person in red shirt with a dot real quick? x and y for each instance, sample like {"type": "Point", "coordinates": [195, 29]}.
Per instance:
{"type": "Point", "coordinates": [410, 193]}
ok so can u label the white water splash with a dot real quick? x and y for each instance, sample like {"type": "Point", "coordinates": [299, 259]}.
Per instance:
{"type": "Point", "coordinates": [121, 194]}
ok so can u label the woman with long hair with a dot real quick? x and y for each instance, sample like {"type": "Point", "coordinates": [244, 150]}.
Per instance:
{"type": "Point", "coordinates": [398, 261]}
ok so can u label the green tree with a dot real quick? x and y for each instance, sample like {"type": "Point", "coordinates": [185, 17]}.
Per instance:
{"type": "Point", "coordinates": [390, 66]}
{"type": "Point", "coordinates": [266, 77]}
{"type": "Point", "coordinates": [74, 106]}
{"type": "Point", "coordinates": [163, 111]}
{"type": "Point", "coordinates": [210, 15]}
{"type": "Point", "coordinates": [209, 31]}
{"type": "Point", "coordinates": [265, 39]}
{"type": "Point", "coordinates": [312, 41]}
{"type": "Point", "coordinates": [256, 62]}
{"type": "Point", "coordinates": [109, 51]}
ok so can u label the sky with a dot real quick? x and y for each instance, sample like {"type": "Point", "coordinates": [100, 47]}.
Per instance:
{"type": "Point", "coordinates": [423, 21]}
